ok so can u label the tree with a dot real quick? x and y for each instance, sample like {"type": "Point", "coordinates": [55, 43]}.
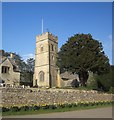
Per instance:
{"type": "Point", "coordinates": [80, 54]}
{"type": "Point", "coordinates": [3, 53]}
{"type": "Point", "coordinates": [105, 81]}
{"type": "Point", "coordinates": [20, 62]}
{"type": "Point", "coordinates": [30, 64]}
{"type": "Point", "coordinates": [27, 74]}
{"type": "Point", "coordinates": [30, 70]}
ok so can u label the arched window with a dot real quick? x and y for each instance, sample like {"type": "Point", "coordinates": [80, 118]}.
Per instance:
{"type": "Point", "coordinates": [41, 48]}
{"type": "Point", "coordinates": [41, 76]}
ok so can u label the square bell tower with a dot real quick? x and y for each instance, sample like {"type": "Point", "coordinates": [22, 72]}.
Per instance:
{"type": "Point", "coordinates": [45, 71]}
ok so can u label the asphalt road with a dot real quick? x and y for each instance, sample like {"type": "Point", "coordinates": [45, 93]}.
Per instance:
{"type": "Point", "coordinates": [91, 113]}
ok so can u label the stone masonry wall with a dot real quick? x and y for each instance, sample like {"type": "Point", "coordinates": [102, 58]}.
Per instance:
{"type": "Point", "coordinates": [23, 96]}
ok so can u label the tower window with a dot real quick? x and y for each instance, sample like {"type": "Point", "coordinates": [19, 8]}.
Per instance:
{"type": "Point", "coordinates": [41, 76]}
{"type": "Point", "coordinates": [41, 48]}
{"type": "Point", "coordinates": [36, 82]}
{"type": "Point", "coordinates": [52, 47]}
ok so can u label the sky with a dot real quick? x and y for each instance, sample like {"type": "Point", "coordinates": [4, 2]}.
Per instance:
{"type": "Point", "coordinates": [21, 22]}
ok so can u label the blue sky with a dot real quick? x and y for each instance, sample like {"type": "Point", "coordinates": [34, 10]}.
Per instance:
{"type": "Point", "coordinates": [21, 22]}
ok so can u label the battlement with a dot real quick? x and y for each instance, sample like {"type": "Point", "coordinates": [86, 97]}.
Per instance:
{"type": "Point", "coordinates": [47, 35]}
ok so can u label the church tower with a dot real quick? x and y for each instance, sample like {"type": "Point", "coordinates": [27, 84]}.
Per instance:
{"type": "Point", "coordinates": [45, 71]}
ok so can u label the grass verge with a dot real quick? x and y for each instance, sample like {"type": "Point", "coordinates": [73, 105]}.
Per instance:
{"type": "Point", "coordinates": [43, 111]}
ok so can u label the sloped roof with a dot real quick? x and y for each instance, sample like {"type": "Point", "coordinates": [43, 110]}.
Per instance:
{"type": "Point", "coordinates": [68, 76]}
{"type": "Point", "coordinates": [2, 59]}
{"type": "Point", "coordinates": [12, 61]}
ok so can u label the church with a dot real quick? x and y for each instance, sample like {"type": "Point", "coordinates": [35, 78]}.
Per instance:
{"type": "Point", "coordinates": [46, 72]}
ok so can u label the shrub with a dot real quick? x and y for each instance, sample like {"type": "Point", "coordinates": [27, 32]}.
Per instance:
{"type": "Point", "coordinates": [52, 106]}
{"type": "Point", "coordinates": [112, 102]}
{"type": "Point", "coordinates": [30, 108]}
{"type": "Point", "coordinates": [4, 109]}
{"type": "Point", "coordinates": [70, 105]}
{"type": "Point", "coordinates": [0, 109]}
{"type": "Point", "coordinates": [45, 107]}
{"type": "Point", "coordinates": [111, 90]}
{"type": "Point", "coordinates": [101, 103]}
{"type": "Point", "coordinates": [97, 103]}
{"type": "Point", "coordinates": [80, 104]}
{"type": "Point", "coordinates": [61, 105]}
{"type": "Point", "coordinates": [15, 109]}
{"type": "Point", "coordinates": [24, 108]}
{"type": "Point", "coordinates": [85, 104]}
{"type": "Point", "coordinates": [91, 104]}
{"type": "Point", "coordinates": [108, 102]}
{"type": "Point", "coordinates": [36, 107]}
{"type": "Point", "coordinates": [74, 105]}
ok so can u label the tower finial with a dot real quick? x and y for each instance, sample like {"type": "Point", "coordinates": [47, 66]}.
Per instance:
{"type": "Point", "coordinates": [42, 26]}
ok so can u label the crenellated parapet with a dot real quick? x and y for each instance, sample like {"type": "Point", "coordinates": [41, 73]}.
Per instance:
{"type": "Point", "coordinates": [46, 35]}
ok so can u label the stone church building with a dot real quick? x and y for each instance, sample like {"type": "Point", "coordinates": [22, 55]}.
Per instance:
{"type": "Point", "coordinates": [46, 73]}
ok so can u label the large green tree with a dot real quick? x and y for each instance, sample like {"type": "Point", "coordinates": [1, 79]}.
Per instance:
{"type": "Point", "coordinates": [80, 54]}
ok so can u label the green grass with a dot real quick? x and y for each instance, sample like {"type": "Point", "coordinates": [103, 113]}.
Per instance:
{"type": "Point", "coordinates": [43, 111]}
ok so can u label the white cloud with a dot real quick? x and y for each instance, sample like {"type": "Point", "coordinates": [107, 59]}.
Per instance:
{"type": "Point", "coordinates": [27, 56]}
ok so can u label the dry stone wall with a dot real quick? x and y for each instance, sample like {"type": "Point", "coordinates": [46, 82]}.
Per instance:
{"type": "Point", "coordinates": [11, 96]}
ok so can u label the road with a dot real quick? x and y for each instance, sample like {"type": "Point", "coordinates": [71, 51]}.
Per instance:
{"type": "Point", "coordinates": [91, 113]}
